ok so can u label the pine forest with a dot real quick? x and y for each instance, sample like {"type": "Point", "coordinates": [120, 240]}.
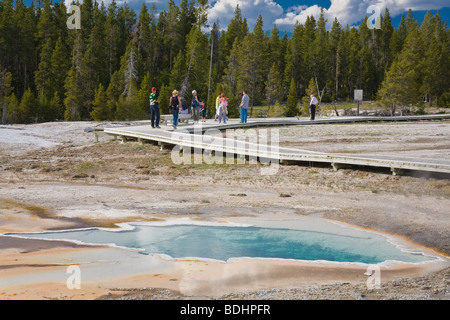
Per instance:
{"type": "Point", "coordinates": [105, 70]}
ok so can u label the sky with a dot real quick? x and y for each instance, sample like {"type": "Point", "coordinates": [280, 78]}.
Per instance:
{"type": "Point", "coordinates": [285, 13]}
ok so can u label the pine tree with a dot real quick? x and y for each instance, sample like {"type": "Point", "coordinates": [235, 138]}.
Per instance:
{"type": "Point", "coordinates": [288, 73]}
{"type": "Point", "coordinates": [261, 56]}
{"type": "Point", "coordinates": [274, 88]}
{"type": "Point", "coordinates": [59, 67]}
{"type": "Point", "coordinates": [46, 28]}
{"type": "Point", "coordinates": [436, 63]}
{"type": "Point", "coordinates": [112, 40]}
{"type": "Point", "coordinates": [87, 18]}
{"type": "Point", "coordinates": [230, 79]}
{"type": "Point", "coordinates": [320, 55]}
{"type": "Point", "coordinates": [335, 55]}
{"type": "Point", "coordinates": [5, 90]}
{"type": "Point", "coordinates": [13, 110]}
{"type": "Point", "coordinates": [43, 76]}
{"type": "Point", "coordinates": [234, 31]}
{"type": "Point", "coordinates": [197, 64]}
{"type": "Point", "coordinates": [145, 36]}
{"type": "Point", "coordinates": [72, 101]}
{"type": "Point", "coordinates": [179, 73]}
{"type": "Point", "coordinates": [164, 96]}
{"type": "Point", "coordinates": [144, 92]}
{"type": "Point", "coordinates": [172, 38]}
{"type": "Point", "coordinates": [23, 48]}
{"type": "Point", "coordinates": [128, 107]}
{"type": "Point", "coordinates": [387, 31]}
{"type": "Point", "coordinates": [307, 41]}
{"type": "Point", "coordinates": [276, 49]}
{"type": "Point", "coordinates": [101, 108]}
{"type": "Point", "coordinates": [402, 83]}
{"type": "Point", "coordinates": [27, 108]}
{"type": "Point", "coordinates": [129, 68]}
{"type": "Point", "coordinates": [291, 108]}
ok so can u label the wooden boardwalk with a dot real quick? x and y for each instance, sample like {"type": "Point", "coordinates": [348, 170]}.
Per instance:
{"type": "Point", "coordinates": [197, 137]}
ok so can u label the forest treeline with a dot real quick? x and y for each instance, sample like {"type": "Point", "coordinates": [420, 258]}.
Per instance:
{"type": "Point", "coordinates": [106, 69]}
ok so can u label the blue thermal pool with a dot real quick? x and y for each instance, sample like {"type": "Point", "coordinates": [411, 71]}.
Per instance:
{"type": "Point", "coordinates": [222, 242]}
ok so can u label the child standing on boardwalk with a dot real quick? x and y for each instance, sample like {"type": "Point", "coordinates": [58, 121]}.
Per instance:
{"type": "Point", "coordinates": [203, 111]}
{"type": "Point", "coordinates": [219, 96]}
{"type": "Point", "coordinates": [223, 109]}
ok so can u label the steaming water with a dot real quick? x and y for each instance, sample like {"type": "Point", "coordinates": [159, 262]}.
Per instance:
{"type": "Point", "coordinates": [222, 242]}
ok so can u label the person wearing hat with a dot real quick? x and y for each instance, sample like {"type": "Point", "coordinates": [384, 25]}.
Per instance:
{"type": "Point", "coordinates": [175, 106]}
{"type": "Point", "coordinates": [154, 109]}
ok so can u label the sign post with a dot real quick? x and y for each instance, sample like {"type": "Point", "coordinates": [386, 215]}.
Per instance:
{"type": "Point", "coordinates": [358, 98]}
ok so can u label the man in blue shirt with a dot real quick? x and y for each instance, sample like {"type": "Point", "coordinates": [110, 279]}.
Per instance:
{"type": "Point", "coordinates": [244, 107]}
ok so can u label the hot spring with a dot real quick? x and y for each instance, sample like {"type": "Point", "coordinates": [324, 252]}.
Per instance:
{"type": "Point", "coordinates": [304, 239]}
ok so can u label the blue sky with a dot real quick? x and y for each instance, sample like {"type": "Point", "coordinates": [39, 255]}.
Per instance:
{"type": "Point", "coordinates": [284, 13]}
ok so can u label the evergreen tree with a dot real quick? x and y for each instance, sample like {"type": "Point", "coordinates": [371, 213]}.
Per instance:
{"type": "Point", "coordinates": [230, 79]}
{"type": "Point", "coordinates": [402, 84]}
{"type": "Point", "coordinates": [59, 67]}
{"type": "Point", "coordinates": [164, 96]}
{"type": "Point", "coordinates": [387, 31]}
{"type": "Point", "coordinates": [27, 108]}
{"type": "Point", "coordinates": [61, 70]}
{"type": "Point", "coordinates": [335, 56]}
{"type": "Point", "coordinates": [197, 63]}
{"type": "Point", "coordinates": [291, 108]}
{"type": "Point", "coordinates": [145, 36]}
{"type": "Point", "coordinates": [320, 55]}
{"type": "Point", "coordinates": [13, 110]}
{"type": "Point", "coordinates": [179, 72]}
{"type": "Point", "coordinates": [43, 79]}
{"type": "Point", "coordinates": [436, 62]}
{"type": "Point", "coordinates": [144, 92]}
{"type": "Point", "coordinates": [23, 47]}
{"type": "Point", "coordinates": [128, 107]}
{"type": "Point", "coordinates": [72, 101]}
{"type": "Point", "coordinates": [112, 39]}
{"type": "Point", "coordinates": [101, 108]}
{"type": "Point", "coordinates": [5, 90]}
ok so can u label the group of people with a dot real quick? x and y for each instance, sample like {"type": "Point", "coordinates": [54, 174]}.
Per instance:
{"type": "Point", "coordinates": [221, 108]}
{"type": "Point", "coordinates": [222, 111]}
{"type": "Point", "coordinates": [177, 105]}
{"type": "Point", "coordinates": [198, 108]}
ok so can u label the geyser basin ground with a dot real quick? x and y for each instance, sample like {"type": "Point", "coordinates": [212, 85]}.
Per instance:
{"type": "Point", "coordinates": [308, 239]}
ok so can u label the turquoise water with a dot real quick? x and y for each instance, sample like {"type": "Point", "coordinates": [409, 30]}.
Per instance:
{"type": "Point", "coordinates": [225, 242]}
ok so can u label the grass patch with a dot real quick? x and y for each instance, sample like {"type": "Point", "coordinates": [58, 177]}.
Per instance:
{"type": "Point", "coordinates": [86, 166]}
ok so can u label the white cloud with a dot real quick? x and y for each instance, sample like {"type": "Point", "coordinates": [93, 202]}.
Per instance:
{"type": "Point", "coordinates": [291, 18]}
{"type": "Point", "coordinates": [223, 11]}
{"type": "Point", "coordinates": [352, 11]}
